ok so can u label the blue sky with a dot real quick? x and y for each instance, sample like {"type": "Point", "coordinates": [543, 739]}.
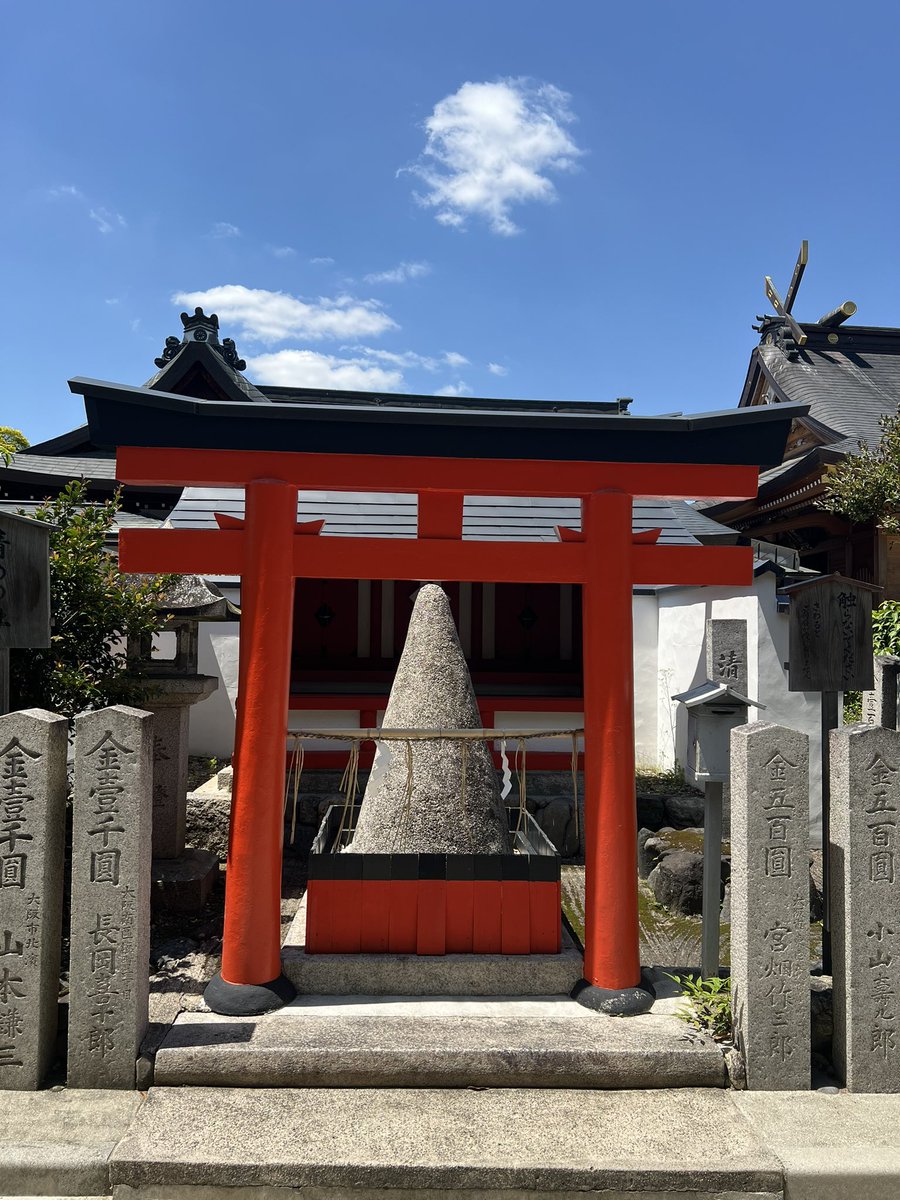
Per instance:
{"type": "Point", "coordinates": [567, 200]}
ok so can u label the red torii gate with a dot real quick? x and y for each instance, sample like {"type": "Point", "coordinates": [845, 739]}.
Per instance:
{"type": "Point", "coordinates": [269, 550]}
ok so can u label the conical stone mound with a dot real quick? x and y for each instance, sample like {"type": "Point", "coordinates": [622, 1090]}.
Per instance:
{"type": "Point", "coordinates": [433, 690]}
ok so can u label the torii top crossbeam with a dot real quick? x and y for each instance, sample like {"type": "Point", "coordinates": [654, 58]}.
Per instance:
{"type": "Point", "coordinates": [272, 450]}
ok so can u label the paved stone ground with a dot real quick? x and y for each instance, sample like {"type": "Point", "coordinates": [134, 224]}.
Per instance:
{"type": "Point", "coordinates": [450, 1144]}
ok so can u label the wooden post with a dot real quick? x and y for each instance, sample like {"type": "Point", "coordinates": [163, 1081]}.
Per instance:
{"type": "Point", "coordinates": [830, 721]}
{"type": "Point", "coordinates": [251, 950]}
{"type": "Point", "coordinates": [611, 951]}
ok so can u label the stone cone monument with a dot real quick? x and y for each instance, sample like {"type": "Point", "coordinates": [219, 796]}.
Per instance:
{"type": "Point", "coordinates": [433, 690]}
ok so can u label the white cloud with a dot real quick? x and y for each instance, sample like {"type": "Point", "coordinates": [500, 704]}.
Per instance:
{"type": "Point", "coordinates": [65, 189]}
{"type": "Point", "coordinates": [403, 359]}
{"type": "Point", "coordinates": [454, 389]}
{"type": "Point", "coordinates": [106, 221]}
{"type": "Point", "coordinates": [401, 273]}
{"type": "Point", "coordinates": [307, 368]}
{"type": "Point", "coordinates": [489, 146]}
{"type": "Point", "coordinates": [282, 251]}
{"type": "Point", "coordinates": [112, 300]}
{"type": "Point", "coordinates": [224, 229]}
{"type": "Point", "coordinates": [324, 261]}
{"type": "Point", "coordinates": [497, 369]}
{"type": "Point", "coordinates": [453, 359]}
{"type": "Point", "coordinates": [277, 316]}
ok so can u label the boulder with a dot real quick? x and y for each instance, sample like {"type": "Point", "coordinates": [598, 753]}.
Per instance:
{"type": "Point", "coordinates": [647, 859]}
{"type": "Point", "coordinates": [677, 881]}
{"type": "Point", "coordinates": [651, 810]}
{"type": "Point", "coordinates": [207, 821]}
{"type": "Point", "coordinates": [556, 819]}
{"type": "Point", "coordinates": [685, 811]}
{"type": "Point", "coordinates": [433, 690]}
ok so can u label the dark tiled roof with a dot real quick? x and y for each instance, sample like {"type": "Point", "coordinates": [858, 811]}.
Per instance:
{"type": "Point", "coordinates": [122, 520]}
{"type": "Point", "coordinates": [849, 385]}
{"type": "Point", "coordinates": [300, 395]}
{"type": "Point", "coordinates": [485, 518]}
{"type": "Point", "coordinates": [65, 466]}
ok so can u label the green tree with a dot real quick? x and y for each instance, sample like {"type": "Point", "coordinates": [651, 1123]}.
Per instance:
{"type": "Point", "coordinates": [11, 440]}
{"type": "Point", "coordinates": [94, 608]}
{"type": "Point", "coordinates": [866, 486]}
{"type": "Point", "coordinates": [886, 628]}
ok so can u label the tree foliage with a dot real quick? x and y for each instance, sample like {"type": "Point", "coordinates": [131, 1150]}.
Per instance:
{"type": "Point", "coordinates": [866, 486]}
{"type": "Point", "coordinates": [93, 610]}
{"type": "Point", "coordinates": [886, 628]}
{"type": "Point", "coordinates": [11, 440]}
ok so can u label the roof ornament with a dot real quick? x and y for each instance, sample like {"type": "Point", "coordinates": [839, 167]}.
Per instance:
{"type": "Point", "coordinates": [202, 327]}
{"type": "Point", "coordinates": [782, 330]}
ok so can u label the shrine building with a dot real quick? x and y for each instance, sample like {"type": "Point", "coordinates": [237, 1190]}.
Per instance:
{"type": "Point", "coordinates": [522, 641]}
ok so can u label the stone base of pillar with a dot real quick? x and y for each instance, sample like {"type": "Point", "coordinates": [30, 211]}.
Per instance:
{"type": "Point", "coordinates": [183, 884]}
{"type": "Point", "coordinates": [247, 999]}
{"type": "Point", "coordinates": [613, 1002]}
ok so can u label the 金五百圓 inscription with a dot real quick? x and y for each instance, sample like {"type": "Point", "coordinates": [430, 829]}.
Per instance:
{"type": "Point", "coordinates": [770, 904]}
{"type": "Point", "coordinates": [865, 791]}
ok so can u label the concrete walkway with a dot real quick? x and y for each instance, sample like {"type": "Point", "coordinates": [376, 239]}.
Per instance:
{"type": "Point", "coordinates": [475, 1144]}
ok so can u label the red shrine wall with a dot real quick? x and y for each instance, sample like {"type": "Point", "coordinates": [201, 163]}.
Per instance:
{"type": "Point", "coordinates": [522, 642]}
{"type": "Point", "coordinates": [510, 633]}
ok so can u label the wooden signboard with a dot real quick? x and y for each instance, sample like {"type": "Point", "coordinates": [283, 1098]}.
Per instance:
{"type": "Point", "coordinates": [830, 635]}
{"type": "Point", "coordinates": [24, 582]}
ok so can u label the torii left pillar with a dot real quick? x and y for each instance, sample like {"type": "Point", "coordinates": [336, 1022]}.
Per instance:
{"type": "Point", "coordinates": [251, 949]}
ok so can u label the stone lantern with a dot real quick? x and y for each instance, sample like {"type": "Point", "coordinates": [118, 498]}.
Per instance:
{"type": "Point", "coordinates": [714, 708]}
{"type": "Point", "coordinates": [182, 877]}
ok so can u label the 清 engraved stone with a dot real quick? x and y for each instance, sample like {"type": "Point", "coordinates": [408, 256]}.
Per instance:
{"type": "Point", "coordinates": [110, 942]}
{"type": "Point", "coordinates": [770, 904]}
{"type": "Point", "coordinates": [865, 906]}
{"type": "Point", "coordinates": [726, 654]}
{"type": "Point", "coordinates": [32, 835]}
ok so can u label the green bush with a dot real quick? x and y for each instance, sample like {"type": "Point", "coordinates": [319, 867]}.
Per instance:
{"type": "Point", "coordinates": [707, 1005]}
{"type": "Point", "coordinates": [886, 628]}
{"type": "Point", "coordinates": [93, 610]}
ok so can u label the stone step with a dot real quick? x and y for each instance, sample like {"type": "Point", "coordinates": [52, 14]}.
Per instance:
{"type": "Point", "coordinates": [196, 1142]}
{"type": "Point", "coordinates": [452, 1042]}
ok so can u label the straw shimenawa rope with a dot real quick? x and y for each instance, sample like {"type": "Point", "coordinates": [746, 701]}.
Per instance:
{"type": "Point", "coordinates": [349, 784]}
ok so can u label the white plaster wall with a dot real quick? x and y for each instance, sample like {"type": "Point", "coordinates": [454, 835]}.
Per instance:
{"type": "Point", "coordinates": [325, 718]}
{"type": "Point", "coordinates": [212, 720]}
{"type": "Point", "coordinates": [683, 613]}
{"type": "Point", "coordinates": [646, 666]}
